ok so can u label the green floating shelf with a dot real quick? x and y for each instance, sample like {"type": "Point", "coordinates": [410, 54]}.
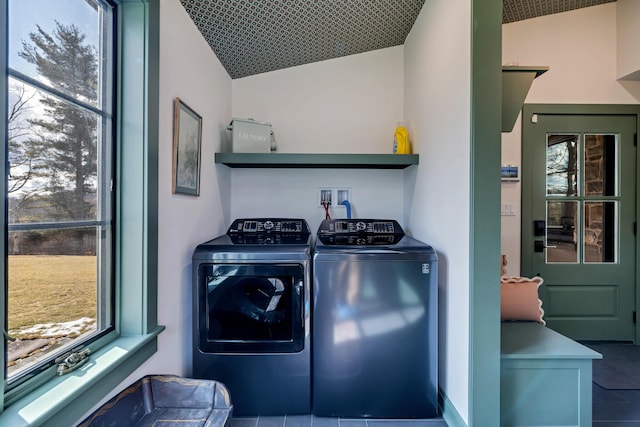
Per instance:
{"type": "Point", "coordinates": [335, 161]}
{"type": "Point", "coordinates": [516, 81]}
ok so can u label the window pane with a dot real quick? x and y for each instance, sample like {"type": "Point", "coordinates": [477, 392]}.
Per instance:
{"type": "Point", "coordinates": [52, 292]}
{"type": "Point", "coordinates": [599, 232]}
{"type": "Point", "coordinates": [561, 232]}
{"type": "Point", "coordinates": [58, 198]}
{"type": "Point", "coordinates": [71, 29]}
{"type": "Point", "coordinates": [53, 158]}
{"type": "Point", "coordinates": [562, 165]}
{"type": "Point", "coordinates": [600, 160]}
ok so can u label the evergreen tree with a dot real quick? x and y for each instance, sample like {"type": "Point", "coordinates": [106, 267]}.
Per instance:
{"type": "Point", "coordinates": [65, 135]}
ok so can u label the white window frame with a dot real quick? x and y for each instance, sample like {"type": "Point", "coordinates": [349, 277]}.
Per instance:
{"type": "Point", "coordinates": [51, 400]}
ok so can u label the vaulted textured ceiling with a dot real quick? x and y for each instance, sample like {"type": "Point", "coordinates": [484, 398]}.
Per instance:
{"type": "Point", "coordinates": [255, 36]}
{"type": "Point", "coordinates": [251, 37]}
{"type": "Point", "coordinates": [519, 10]}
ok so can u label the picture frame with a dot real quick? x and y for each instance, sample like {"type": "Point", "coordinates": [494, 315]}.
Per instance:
{"type": "Point", "coordinates": [187, 144]}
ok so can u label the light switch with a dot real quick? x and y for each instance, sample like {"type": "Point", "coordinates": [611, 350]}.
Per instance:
{"type": "Point", "coordinates": [508, 209]}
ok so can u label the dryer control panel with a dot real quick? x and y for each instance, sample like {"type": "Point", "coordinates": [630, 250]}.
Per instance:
{"type": "Point", "coordinates": [269, 231]}
{"type": "Point", "coordinates": [268, 225]}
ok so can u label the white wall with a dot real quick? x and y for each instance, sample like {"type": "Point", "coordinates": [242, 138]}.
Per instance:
{"type": "Point", "coordinates": [437, 110]}
{"type": "Point", "coordinates": [628, 34]}
{"type": "Point", "coordinates": [293, 193]}
{"type": "Point", "coordinates": [580, 48]}
{"type": "Point", "coordinates": [343, 105]}
{"type": "Point", "coordinates": [185, 221]}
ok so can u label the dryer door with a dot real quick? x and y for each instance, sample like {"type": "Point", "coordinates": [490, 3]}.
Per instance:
{"type": "Point", "coordinates": [251, 308]}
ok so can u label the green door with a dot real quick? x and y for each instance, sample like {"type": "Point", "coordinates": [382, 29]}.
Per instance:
{"type": "Point", "coordinates": [578, 219]}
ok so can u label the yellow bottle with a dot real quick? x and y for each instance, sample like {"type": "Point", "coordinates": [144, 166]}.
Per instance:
{"type": "Point", "coordinates": [401, 144]}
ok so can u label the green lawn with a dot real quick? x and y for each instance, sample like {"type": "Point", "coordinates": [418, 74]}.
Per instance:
{"type": "Point", "coordinates": [50, 289]}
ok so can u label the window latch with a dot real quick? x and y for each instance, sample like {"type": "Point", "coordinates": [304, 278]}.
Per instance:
{"type": "Point", "coordinates": [8, 337]}
{"type": "Point", "coordinates": [70, 361]}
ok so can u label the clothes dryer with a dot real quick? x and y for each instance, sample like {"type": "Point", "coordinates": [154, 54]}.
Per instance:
{"type": "Point", "coordinates": [251, 317]}
{"type": "Point", "coordinates": [375, 333]}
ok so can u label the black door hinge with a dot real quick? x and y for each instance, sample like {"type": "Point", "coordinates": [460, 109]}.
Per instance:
{"type": "Point", "coordinates": [634, 317]}
{"type": "Point", "coordinates": [635, 228]}
{"type": "Point", "coordinates": [635, 139]}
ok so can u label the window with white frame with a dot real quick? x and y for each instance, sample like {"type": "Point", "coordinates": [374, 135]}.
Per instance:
{"type": "Point", "coordinates": [59, 189]}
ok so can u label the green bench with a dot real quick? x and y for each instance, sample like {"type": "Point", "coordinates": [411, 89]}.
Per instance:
{"type": "Point", "coordinates": [545, 377]}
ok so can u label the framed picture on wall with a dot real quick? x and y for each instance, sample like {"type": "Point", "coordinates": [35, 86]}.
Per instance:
{"type": "Point", "coordinates": [187, 142]}
{"type": "Point", "coordinates": [509, 173]}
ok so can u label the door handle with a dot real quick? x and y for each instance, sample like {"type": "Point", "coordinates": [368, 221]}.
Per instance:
{"type": "Point", "coordinates": [539, 246]}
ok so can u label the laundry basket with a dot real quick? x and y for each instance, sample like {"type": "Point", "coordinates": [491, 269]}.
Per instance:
{"type": "Point", "coordinates": [166, 400]}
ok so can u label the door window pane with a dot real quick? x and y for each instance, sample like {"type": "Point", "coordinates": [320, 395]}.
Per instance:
{"type": "Point", "coordinates": [562, 218]}
{"type": "Point", "coordinates": [562, 165]}
{"type": "Point", "coordinates": [599, 232]}
{"type": "Point", "coordinates": [591, 238]}
{"type": "Point", "coordinates": [600, 160]}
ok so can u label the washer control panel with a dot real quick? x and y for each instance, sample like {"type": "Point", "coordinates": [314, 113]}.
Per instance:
{"type": "Point", "coordinates": [360, 226]}
{"type": "Point", "coordinates": [360, 232]}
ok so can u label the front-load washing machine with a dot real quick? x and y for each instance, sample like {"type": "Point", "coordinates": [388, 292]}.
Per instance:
{"type": "Point", "coordinates": [251, 315]}
{"type": "Point", "coordinates": [375, 333]}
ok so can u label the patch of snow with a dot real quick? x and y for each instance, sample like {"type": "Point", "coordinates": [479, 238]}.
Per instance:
{"type": "Point", "coordinates": [63, 329]}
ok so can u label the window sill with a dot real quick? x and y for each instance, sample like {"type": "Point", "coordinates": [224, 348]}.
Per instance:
{"type": "Point", "coordinates": [64, 400]}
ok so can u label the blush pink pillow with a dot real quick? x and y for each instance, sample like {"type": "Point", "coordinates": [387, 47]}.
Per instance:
{"type": "Point", "coordinates": [519, 299]}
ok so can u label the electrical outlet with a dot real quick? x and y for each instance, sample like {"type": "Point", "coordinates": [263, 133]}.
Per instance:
{"type": "Point", "coordinates": [325, 195]}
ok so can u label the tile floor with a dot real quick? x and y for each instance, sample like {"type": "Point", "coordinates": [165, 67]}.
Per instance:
{"type": "Point", "coordinates": [611, 408]}
{"type": "Point", "coordinates": [312, 421]}
{"type": "Point", "coordinates": [615, 408]}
